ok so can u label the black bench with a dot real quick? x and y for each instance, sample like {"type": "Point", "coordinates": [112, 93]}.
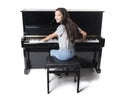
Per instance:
{"type": "Point", "coordinates": [73, 65]}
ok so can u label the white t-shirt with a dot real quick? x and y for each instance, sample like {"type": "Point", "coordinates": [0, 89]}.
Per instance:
{"type": "Point", "coordinates": [63, 40]}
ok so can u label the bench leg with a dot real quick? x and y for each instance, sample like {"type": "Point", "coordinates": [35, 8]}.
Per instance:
{"type": "Point", "coordinates": [78, 75]}
{"type": "Point", "coordinates": [75, 77]}
{"type": "Point", "coordinates": [48, 81]}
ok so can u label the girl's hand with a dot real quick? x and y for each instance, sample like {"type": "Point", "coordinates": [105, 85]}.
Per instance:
{"type": "Point", "coordinates": [84, 34]}
{"type": "Point", "coordinates": [42, 40]}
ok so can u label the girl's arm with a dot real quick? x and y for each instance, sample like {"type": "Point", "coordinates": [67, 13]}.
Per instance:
{"type": "Point", "coordinates": [50, 36]}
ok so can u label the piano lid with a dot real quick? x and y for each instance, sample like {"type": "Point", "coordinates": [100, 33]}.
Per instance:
{"type": "Point", "coordinates": [33, 9]}
{"type": "Point", "coordinates": [37, 22]}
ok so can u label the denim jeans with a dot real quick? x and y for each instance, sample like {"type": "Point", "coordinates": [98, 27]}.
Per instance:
{"type": "Point", "coordinates": [62, 54]}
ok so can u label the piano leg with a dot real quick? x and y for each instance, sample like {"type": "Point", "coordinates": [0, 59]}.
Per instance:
{"type": "Point", "coordinates": [26, 71]}
{"type": "Point", "coordinates": [94, 58]}
{"type": "Point", "coordinates": [27, 61]}
{"type": "Point", "coordinates": [97, 59]}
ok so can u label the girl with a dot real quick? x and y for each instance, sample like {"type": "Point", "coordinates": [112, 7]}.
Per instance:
{"type": "Point", "coordinates": [67, 32]}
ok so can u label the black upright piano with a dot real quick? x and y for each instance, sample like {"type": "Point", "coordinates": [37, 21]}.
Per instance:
{"type": "Point", "coordinates": [39, 23]}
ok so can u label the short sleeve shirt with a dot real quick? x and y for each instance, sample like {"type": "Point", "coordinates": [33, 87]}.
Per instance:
{"type": "Point", "coordinates": [64, 42]}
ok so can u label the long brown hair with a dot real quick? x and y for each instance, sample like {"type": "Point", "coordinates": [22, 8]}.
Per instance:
{"type": "Point", "coordinates": [71, 28]}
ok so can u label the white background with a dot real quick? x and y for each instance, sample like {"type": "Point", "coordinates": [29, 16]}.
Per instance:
{"type": "Point", "coordinates": [13, 82]}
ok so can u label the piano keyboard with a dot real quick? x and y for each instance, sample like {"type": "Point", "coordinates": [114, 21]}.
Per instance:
{"type": "Point", "coordinates": [40, 41]}
{"type": "Point", "coordinates": [34, 41]}
{"type": "Point", "coordinates": [93, 41]}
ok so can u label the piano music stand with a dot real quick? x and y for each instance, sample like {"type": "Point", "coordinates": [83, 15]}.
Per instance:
{"type": "Point", "coordinates": [73, 65]}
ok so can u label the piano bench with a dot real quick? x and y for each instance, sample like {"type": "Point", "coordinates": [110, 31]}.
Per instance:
{"type": "Point", "coordinates": [55, 66]}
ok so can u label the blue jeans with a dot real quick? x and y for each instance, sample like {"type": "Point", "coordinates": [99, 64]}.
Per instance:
{"type": "Point", "coordinates": [62, 54]}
